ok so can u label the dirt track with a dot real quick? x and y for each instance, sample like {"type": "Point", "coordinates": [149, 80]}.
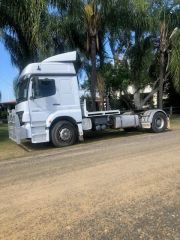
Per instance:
{"type": "Point", "coordinates": [119, 188]}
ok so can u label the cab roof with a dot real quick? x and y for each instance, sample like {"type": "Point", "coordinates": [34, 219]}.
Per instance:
{"type": "Point", "coordinates": [61, 64]}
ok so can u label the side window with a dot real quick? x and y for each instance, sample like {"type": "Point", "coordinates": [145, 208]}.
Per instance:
{"type": "Point", "coordinates": [43, 87]}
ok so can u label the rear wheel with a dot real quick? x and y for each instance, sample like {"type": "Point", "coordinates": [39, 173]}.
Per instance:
{"type": "Point", "coordinates": [159, 123]}
{"type": "Point", "coordinates": [63, 134]}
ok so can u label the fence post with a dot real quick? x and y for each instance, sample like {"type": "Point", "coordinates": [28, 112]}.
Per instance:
{"type": "Point", "coordinates": [171, 111]}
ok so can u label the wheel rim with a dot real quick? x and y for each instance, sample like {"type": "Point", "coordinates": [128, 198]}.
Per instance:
{"type": "Point", "coordinates": [65, 134]}
{"type": "Point", "coordinates": [160, 123]}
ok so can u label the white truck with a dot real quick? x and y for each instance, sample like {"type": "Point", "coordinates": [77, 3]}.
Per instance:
{"type": "Point", "coordinates": [48, 107]}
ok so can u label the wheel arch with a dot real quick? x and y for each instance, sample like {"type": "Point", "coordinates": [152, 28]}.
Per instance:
{"type": "Point", "coordinates": [150, 114]}
{"type": "Point", "coordinates": [64, 118]}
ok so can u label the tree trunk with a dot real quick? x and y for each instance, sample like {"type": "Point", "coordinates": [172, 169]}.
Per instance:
{"type": "Point", "coordinates": [162, 74]}
{"type": "Point", "coordinates": [161, 80]}
{"type": "Point", "coordinates": [137, 70]}
{"type": "Point", "coordinates": [93, 73]}
{"type": "Point", "coordinates": [155, 89]}
{"type": "Point", "coordinates": [137, 98]}
{"type": "Point", "coordinates": [149, 96]}
{"type": "Point", "coordinates": [127, 101]}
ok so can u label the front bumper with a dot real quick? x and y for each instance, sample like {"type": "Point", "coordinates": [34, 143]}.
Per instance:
{"type": "Point", "coordinates": [16, 132]}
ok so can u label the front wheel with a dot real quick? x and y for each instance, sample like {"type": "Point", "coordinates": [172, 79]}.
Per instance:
{"type": "Point", "coordinates": [63, 134]}
{"type": "Point", "coordinates": [159, 123]}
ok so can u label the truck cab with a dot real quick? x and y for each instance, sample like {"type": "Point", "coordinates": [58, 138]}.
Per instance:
{"type": "Point", "coordinates": [47, 93]}
{"type": "Point", "coordinates": [48, 106]}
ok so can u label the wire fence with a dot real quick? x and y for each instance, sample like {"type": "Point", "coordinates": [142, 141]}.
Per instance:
{"type": "Point", "coordinates": [172, 110]}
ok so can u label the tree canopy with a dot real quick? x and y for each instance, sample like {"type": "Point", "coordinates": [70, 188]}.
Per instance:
{"type": "Point", "coordinates": [124, 42]}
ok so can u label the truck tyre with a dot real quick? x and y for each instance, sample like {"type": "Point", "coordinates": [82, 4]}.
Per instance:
{"type": "Point", "coordinates": [159, 123]}
{"type": "Point", "coordinates": [63, 134]}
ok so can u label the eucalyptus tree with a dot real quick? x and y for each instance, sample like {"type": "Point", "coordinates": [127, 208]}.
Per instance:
{"type": "Point", "coordinates": [130, 39]}
{"type": "Point", "coordinates": [149, 40]}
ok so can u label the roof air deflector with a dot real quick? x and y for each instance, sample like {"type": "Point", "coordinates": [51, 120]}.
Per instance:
{"type": "Point", "coordinates": [64, 57]}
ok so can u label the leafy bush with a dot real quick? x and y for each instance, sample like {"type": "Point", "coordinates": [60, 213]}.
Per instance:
{"type": "Point", "coordinates": [3, 114]}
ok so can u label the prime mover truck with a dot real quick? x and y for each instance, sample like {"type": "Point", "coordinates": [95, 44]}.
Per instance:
{"type": "Point", "coordinates": [48, 107]}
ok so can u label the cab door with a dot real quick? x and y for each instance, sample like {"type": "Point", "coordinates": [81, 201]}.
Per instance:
{"type": "Point", "coordinates": [43, 100]}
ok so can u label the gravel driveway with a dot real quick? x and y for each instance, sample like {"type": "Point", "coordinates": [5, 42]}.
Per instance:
{"type": "Point", "coordinates": [120, 188]}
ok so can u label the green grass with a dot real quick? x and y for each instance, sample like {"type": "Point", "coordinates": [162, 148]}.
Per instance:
{"type": "Point", "coordinates": [3, 133]}
{"type": "Point", "coordinates": [175, 122]}
{"type": "Point", "coordinates": [10, 150]}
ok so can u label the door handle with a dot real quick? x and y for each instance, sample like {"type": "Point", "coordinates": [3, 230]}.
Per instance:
{"type": "Point", "coordinates": [36, 110]}
{"type": "Point", "coordinates": [56, 104]}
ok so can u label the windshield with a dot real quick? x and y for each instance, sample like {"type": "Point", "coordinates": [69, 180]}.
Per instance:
{"type": "Point", "coordinates": [22, 90]}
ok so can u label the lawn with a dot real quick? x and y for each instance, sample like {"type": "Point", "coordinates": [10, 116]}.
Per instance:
{"type": "Point", "coordinates": [10, 150]}
{"type": "Point", "coordinates": [175, 122]}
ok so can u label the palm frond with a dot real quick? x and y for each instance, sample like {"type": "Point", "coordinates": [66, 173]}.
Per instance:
{"type": "Point", "coordinates": [175, 60]}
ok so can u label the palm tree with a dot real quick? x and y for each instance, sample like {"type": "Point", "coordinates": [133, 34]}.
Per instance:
{"type": "Point", "coordinates": [85, 22]}
{"type": "Point", "coordinates": [166, 22]}
{"type": "Point", "coordinates": [92, 22]}
{"type": "Point", "coordinates": [175, 58]}
{"type": "Point", "coordinates": [20, 24]}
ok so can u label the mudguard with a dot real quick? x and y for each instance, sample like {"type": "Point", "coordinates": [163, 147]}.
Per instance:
{"type": "Point", "coordinates": [147, 118]}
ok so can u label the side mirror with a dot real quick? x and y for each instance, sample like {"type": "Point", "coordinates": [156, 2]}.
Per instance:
{"type": "Point", "coordinates": [32, 98]}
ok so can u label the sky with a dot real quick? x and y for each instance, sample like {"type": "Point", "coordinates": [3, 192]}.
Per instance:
{"type": "Point", "coordinates": [8, 72]}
